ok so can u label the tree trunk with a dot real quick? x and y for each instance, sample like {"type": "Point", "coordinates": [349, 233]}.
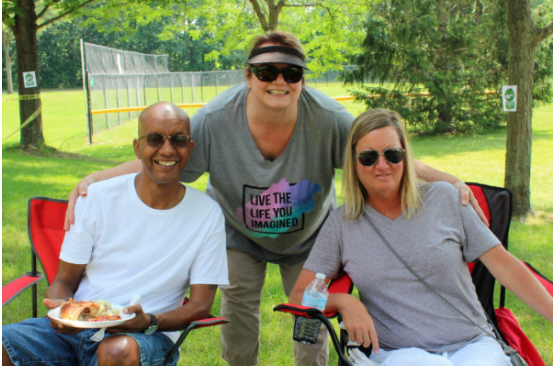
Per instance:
{"type": "Point", "coordinates": [8, 60]}
{"type": "Point", "coordinates": [274, 10]}
{"type": "Point", "coordinates": [519, 135]}
{"type": "Point", "coordinates": [27, 60]}
{"type": "Point", "coordinates": [524, 40]}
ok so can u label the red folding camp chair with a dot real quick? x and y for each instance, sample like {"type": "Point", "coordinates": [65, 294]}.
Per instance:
{"type": "Point", "coordinates": [496, 205]}
{"type": "Point", "coordinates": [45, 227]}
{"type": "Point", "coordinates": [45, 219]}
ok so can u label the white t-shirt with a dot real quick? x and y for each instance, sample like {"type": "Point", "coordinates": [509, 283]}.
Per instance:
{"type": "Point", "coordinates": [130, 248]}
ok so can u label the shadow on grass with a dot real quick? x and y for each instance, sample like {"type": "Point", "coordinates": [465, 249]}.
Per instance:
{"type": "Point", "coordinates": [53, 153]}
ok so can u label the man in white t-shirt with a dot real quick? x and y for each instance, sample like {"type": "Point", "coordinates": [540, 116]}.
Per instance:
{"type": "Point", "coordinates": [139, 234]}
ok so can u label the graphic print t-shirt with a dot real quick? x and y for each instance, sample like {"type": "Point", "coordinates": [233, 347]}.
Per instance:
{"type": "Point", "coordinates": [273, 209]}
{"type": "Point", "coordinates": [277, 210]}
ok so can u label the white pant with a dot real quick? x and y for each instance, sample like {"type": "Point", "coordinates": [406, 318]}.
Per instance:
{"type": "Point", "coordinates": [484, 352]}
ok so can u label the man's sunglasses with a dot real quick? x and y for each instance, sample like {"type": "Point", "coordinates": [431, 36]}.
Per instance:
{"type": "Point", "coordinates": [393, 155]}
{"type": "Point", "coordinates": [269, 73]}
{"type": "Point", "coordinates": [155, 139]}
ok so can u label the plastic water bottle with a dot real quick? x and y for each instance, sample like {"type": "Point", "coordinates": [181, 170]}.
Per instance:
{"type": "Point", "coordinates": [316, 294]}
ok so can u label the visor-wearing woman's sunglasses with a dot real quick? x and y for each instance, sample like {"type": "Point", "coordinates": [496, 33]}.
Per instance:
{"type": "Point", "coordinates": [156, 140]}
{"type": "Point", "coordinates": [393, 155]}
{"type": "Point", "coordinates": [269, 73]}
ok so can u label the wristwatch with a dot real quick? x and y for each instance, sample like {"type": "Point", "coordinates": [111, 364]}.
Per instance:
{"type": "Point", "coordinates": [153, 325]}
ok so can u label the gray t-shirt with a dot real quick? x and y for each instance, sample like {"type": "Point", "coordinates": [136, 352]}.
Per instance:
{"type": "Point", "coordinates": [273, 209]}
{"type": "Point", "coordinates": [436, 243]}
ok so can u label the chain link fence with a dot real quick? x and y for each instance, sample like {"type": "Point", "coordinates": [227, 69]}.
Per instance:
{"type": "Point", "coordinates": [119, 84]}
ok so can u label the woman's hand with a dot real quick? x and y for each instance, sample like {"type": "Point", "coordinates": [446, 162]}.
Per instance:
{"type": "Point", "coordinates": [467, 197]}
{"type": "Point", "coordinates": [429, 174]}
{"type": "Point", "coordinates": [80, 190]}
{"type": "Point", "coordinates": [358, 322]}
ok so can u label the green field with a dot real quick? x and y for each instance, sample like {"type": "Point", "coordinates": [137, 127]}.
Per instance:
{"type": "Point", "coordinates": [478, 158]}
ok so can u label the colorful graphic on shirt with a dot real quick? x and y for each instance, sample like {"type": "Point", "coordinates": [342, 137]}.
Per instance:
{"type": "Point", "coordinates": [278, 209]}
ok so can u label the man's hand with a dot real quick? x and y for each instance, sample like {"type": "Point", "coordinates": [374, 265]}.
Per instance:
{"type": "Point", "coordinates": [52, 303]}
{"type": "Point", "coordinates": [55, 324]}
{"type": "Point", "coordinates": [80, 190]}
{"type": "Point", "coordinates": [467, 196]}
{"type": "Point", "coordinates": [140, 322]}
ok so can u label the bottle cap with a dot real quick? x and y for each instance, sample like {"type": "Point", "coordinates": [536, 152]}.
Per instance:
{"type": "Point", "coordinates": [321, 276]}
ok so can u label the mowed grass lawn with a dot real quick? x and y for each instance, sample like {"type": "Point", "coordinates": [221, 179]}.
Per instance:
{"type": "Point", "coordinates": [477, 158]}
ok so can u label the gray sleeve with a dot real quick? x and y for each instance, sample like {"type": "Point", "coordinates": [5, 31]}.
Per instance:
{"type": "Point", "coordinates": [325, 256]}
{"type": "Point", "coordinates": [478, 237]}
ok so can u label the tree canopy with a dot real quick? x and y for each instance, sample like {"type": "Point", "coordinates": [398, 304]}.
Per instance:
{"type": "Point", "coordinates": [200, 35]}
{"type": "Point", "coordinates": [438, 61]}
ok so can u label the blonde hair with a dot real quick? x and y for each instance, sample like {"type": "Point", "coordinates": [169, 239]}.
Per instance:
{"type": "Point", "coordinates": [355, 195]}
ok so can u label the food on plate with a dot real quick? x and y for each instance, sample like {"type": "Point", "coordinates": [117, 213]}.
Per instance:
{"type": "Point", "coordinates": [90, 311]}
{"type": "Point", "coordinates": [104, 318]}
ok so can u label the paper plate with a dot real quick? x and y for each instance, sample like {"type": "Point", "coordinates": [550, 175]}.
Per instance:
{"type": "Point", "coordinates": [55, 314]}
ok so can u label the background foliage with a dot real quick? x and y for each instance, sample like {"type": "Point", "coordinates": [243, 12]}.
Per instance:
{"type": "Point", "coordinates": [453, 50]}
{"type": "Point", "coordinates": [197, 35]}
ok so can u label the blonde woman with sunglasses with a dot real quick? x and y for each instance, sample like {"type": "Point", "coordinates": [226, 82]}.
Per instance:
{"type": "Point", "coordinates": [271, 146]}
{"type": "Point", "coordinates": [404, 322]}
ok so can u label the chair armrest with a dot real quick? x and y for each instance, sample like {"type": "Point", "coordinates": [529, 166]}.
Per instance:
{"type": "Point", "coordinates": [310, 312]}
{"type": "Point", "coordinates": [201, 323]}
{"type": "Point", "coordinates": [302, 310]}
{"type": "Point", "coordinates": [208, 322]}
{"type": "Point", "coordinates": [15, 287]}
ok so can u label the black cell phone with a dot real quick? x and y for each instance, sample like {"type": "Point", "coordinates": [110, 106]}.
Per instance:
{"type": "Point", "coordinates": [306, 330]}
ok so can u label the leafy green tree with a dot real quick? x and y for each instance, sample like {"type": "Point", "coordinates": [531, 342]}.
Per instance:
{"type": "Point", "coordinates": [455, 50]}
{"type": "Point", "coordinates": [434, 47]}
{"type": "Point", "coordinates": [60, 57]}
